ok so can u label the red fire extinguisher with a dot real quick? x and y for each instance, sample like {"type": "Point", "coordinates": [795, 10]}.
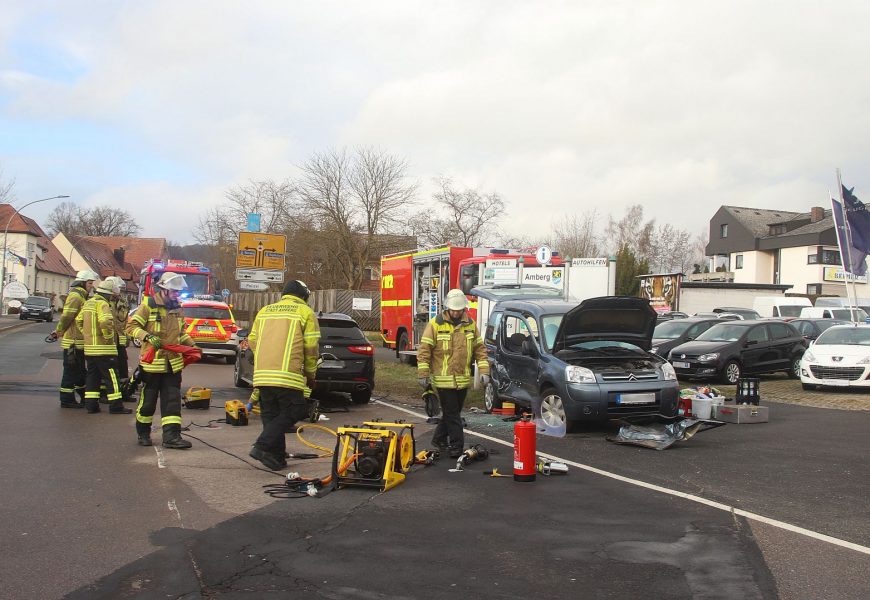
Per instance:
{"type": "Point", "coordinates": [524, 450]}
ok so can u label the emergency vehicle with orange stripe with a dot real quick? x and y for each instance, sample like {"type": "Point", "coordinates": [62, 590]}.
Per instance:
{"type": "Point", "coordinates": [414, 285]}
{"type": "Point", "coordinates": [213, 328]}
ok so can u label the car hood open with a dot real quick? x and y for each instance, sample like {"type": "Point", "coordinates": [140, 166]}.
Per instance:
{"type": "Point", "coordinates": [608, 318]}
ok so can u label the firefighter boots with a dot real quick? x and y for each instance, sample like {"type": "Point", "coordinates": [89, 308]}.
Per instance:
{"type": "Point", "coordinates": [172, 438]}
{"type": "Point", "coordinates": [116, 407]}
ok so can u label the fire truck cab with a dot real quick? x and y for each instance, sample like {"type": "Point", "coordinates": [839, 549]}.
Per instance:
{"type": "Point", "coordinates": [414, 285]}
{"type": "Point", "coordinates": [199, 280]}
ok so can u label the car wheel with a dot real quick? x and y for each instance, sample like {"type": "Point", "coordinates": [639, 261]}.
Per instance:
{"type": "Point", "coordinates": [490, 397]}
{"type": "Point", "coordinates": [732, 372]}
{"type": "Point", "coordinates": [808, 386]}
{"type": "Point", "coordinates": [237, 377]}
{"type": "Point", "coordinates": [795, 371]}
{"type": "Point", "coordinates": [231, 360]}
{"type": "Point", "coordinates": [553, 411]}
{"type": "Point", "coordinates": [401, 346]}
{"type": "Point", "coordinates": [361, 396]}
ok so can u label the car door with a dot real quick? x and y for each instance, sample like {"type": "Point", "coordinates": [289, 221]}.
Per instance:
{"type": "Point", "coordinates": [519, 371]}
{"type": "Point", "coordinates": [757, 353]}
{"type": "Point", "coordinates": [782, 341]}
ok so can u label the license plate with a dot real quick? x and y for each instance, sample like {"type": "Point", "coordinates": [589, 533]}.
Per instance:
{"type": "Point", "coordinates": [680, 365]}
{"type": "Point", "coordinates": [205, 328]}
{"type": "Point", "coordinates": [635, 398]}
{"type": "Point", "coordinates": [837, 382]}
{"type": "Point", "coordinates": [332, 364]}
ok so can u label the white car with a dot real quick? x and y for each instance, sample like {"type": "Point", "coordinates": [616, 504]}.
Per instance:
{"type": "Point", "coordinates": [840, 357]}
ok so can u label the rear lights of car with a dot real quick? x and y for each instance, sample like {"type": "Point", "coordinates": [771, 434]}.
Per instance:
{"type": "Point", "coordinates": [233, 328]}
{"type": "Point", "coordinates": [367, 350]}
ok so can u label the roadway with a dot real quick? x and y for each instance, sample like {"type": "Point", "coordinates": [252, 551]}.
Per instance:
{"type": "Point", "coordinates": [749, 511]}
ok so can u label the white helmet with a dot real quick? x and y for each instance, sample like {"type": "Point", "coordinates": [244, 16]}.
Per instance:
{"type": "Point", "coordinates": [118, 283]}
{"type": "Point", "coordinates": [87, 275]}
{"type": "Point", "coordinates": [455, 300]}
{"type": "Point", "coordinates": [172, 281]}
{"type": "Point", "coordinates": [108, 286]}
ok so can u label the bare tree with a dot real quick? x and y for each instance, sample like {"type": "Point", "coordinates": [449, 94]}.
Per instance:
{"type": "Point", "coordinates": [274, 201]}
{"type": "Point", "coordinates": [6, 189]}
{"type": "Point", "coordinates": [468, 217]}
{"type": "Point", "coordinates": [108, 221]}
{"type": "Point", "coordinates": [631, 231]}
{"type": "Point", "coordinates": [670, 250]}
{"type": "Point", "coordinates": [65, 218]}
{"type": "Point", "coordinates": [575, 235]}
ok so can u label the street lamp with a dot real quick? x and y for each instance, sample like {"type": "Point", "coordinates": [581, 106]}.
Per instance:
{"type": "Point", "coordinates": [6, 235]}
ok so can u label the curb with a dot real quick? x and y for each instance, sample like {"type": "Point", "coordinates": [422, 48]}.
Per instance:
{"type": "Point", "coordinates": [10, 328]}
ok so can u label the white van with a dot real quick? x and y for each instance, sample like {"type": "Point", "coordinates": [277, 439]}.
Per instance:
{"type": "Point", "coordinates": [840, 302]}
{"type": "Point", "coordinates": [780, 306]}
{"type": "Point", "coordinates": [858, 315]}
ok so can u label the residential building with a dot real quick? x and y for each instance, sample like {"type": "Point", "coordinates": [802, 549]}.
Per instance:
{"type": "Point", "coordinates": [88, 253]}
{"type": "Point", "coordinates": [780, 247]}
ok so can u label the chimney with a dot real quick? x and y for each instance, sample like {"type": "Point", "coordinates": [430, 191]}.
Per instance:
{"type": "Point", "coordinates": [119, 254]}
{"type": "Point", "coordinates": [817, 213]}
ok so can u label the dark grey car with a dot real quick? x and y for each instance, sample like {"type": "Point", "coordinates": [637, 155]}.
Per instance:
{"type": "Point", "coordinates": [571, 363]}
{"type": "Point", "coordinates": [669, 334]}
{"type": "Point", "coordinates": [36, 307]}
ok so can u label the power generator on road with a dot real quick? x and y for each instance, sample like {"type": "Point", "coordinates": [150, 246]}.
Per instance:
{"type": "Point", "coordinates": [376, 455]}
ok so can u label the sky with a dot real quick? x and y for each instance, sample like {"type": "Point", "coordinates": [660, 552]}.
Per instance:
{"type": "Point", "coordinates": [158, 107]}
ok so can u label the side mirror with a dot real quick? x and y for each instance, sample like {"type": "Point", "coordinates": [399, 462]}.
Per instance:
{"type": "Point", "coordinates": [529, 348]}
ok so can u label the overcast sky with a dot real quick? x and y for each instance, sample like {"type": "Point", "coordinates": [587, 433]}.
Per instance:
{"type": "Point", "coordinates": [158, 107]}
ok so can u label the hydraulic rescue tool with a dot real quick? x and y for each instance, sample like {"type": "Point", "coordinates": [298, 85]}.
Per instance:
{"type": "Point", "coordinates": [374, 454]}
{"type": "Point", "coordinates": [475, 452]}
{"type": "Point", "coordinates": [236, 413]}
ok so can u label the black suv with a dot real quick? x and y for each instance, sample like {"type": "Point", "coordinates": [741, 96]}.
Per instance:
{"type": "Point", "coordinates": [347, 359]}
{"type": "Point", "coordinates": [36, 307]}
{"type": "Point", "coordinates": [730, 350]}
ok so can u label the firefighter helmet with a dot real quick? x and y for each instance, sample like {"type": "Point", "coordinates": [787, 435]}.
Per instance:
{"type": "Point", "coordinates": [87, 275]}
{"type": "Point", "coordinates": [456, 300]}
{"type": "Point", "coordinates": [108, 286]}
{"type": "Point", "coordinates": [295, 287]}
{"type": "Point", "coordinates": [172, 281]}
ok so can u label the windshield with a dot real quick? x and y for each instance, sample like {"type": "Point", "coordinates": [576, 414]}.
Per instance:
{"type": "Point", "coordinates": [850, 336]}
{"type": "Point", "coordinates": [724, 332]}
{"type": "Point", "coordinates": [207, 312]}
{"type": "Point", "coordinates": [790, 310]}
{"type": "Point", "coordinates": [550, 325]}
{"type": "Point", "coordinates": [37, 300]}
{"type": "Point", "coordinates": [197, 284]}
{"type": "Point", "coordinates": [670, 330]}
{"type": "Point", "coordinates": [537, 292]}
{"type": "Point", "coordinates": [844, 313]}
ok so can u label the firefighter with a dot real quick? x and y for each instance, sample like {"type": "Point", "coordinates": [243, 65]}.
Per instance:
{"type": "Point", "coordinates": [450, 344]}
{"type": "Point", "coordinates": [97, 324]}
{"type": "Point", "coordinates": [120, 312]}
{"type": "Point", "coordinates": [285, 341]}
{"type": "Point", "coordinates": [74, 371]}
{"type": "Point", "coordinates": [158, 322]}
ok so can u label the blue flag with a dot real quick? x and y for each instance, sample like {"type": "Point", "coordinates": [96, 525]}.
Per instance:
{"type": "Point", "coordinates": [852, 254]}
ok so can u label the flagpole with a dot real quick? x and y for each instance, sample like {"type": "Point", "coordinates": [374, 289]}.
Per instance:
{"type": "Point", "coordinates": [853, 300]}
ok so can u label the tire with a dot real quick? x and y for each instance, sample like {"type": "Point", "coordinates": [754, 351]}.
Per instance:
{"type": "Point", "coordinates": [402, 345]}
{"type": "Point", "coordinates": [795, 371]}
{"type": "Point", "coordinates": [490, 397]}
{"type": "Point", "coordinates": [553, 410]}
{"type": "Point", "coordinates": [231, 360]}
{"type": "Point", "coordinates": [237, 377]}
{"type": "Point", "coordinates": [732, 372]}
{"type": "Point", "coordinates": [361, 396]}
{"type": "Point", "coordinates": [808, 386]}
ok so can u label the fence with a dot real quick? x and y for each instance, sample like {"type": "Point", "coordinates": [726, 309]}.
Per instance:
{"type": "Point", "coordinates": [367, 314]}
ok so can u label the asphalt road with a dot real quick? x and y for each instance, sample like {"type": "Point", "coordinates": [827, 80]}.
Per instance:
{"type": "Point", "coordinates": [89, 514]}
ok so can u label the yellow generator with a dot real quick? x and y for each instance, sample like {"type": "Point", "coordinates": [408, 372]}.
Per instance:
{"type": "Point", "coordinates": [373, 455]}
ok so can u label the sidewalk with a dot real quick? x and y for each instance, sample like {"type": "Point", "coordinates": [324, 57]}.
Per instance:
{"type": "Point", "coordinates": [11, 322]}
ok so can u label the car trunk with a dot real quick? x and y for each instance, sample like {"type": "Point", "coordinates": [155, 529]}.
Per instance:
{"type": "Point", "coordinates": [345, 351]}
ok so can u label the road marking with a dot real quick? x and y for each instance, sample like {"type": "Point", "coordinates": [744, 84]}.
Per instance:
{"type": "Point", "coordinates": [657, 488]}
{"type": "Point", "coordinates": [174, 508]}
{"type": "Point", "coordinates": [161, 462]}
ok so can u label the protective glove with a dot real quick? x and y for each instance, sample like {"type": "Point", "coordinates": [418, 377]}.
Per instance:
{"type": "Point", "coordinates": [52, 336]}
{"type": "Point", "coordinates": [424, 382]}
{"type": "Point", "coordinates": [484, 379]}
{"type": "Point", "coordinates": [249, 407]}
{"type": "Point", "coordinates": [154, 341]}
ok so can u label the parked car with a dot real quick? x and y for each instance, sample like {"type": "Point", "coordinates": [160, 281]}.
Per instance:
{"type": "Point", "coordinates": [812, 328]}
{"type": "Point", "coordinates": [720, 316]}
{"type": "Point", "coordinates": [347, 359]}
{"type": "Point", "coordinates": [780, 306]}
{"type": "Point", "coordinates": [670, 315]}
{"type": "Point", "coordinates": [840, 357]}
{"type": "Point", "coordinates": [213, 327]}
{"type": "Point", "coordinates": [743, 313]}
{"type": "Point", "coordinates": [729, 351]}
{"type": "Point", "coordinates": [857, 315]}
{"type": "Point", "coordinates": [670, 334]}
{"type": "Point", "coordinates": [36, 307]}
{"type": "Point", "coordinates": [571, 363]}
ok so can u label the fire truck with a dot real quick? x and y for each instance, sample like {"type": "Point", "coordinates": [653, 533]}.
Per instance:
{"type": "Point", "coordinates": [414, 285]}
{"type": "Point", "coordinates": [200, 283]}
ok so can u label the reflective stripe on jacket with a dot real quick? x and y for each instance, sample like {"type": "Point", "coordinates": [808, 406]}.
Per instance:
{"type": "Point", "coordinates": [446, 352]}
{"type": "Point", "coordinates": [285, 340]}
{"type": "Point", "coordinates": [153, 318]}
{"type": "Point", "coordinates": [66, 326]}
{"type": "Point", "coordinates": [97, 324]}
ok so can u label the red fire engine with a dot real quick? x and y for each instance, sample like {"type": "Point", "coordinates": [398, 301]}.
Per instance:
{"type": "Point", "coordinates": [198, 277]}
{"type": "Point", "coordinates": [414, 284]}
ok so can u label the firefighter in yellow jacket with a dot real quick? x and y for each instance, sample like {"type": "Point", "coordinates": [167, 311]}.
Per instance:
{"type": "Point", "coordinates": [157, 322]}
{"type": "Point", "coordinates": [74, 371]}
{"type": "Point", "coordinates": [97, 324]}
{"type": "Point", "coordinates": [449, 346]}
{"type": "Point", "coordinates": [120, 311]}
{"type": "Point", "coordinates": [285, 340]}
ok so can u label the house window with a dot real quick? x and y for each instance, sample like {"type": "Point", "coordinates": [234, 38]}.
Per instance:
{"type": "Point", "coordinates": [738, 261]}
{"type": "Point", "coordinates": [777, 229]}
{"type": "Point", "coordinates": [830, 257]}
{"type": "Point", "coordinates": [723, 230]}
{"type": "Point", "coordinates": [814, 289]}
{"type": "Point", "coordinates": [31, 250]}
{"type": "Point", "coordinates": [813, 259]}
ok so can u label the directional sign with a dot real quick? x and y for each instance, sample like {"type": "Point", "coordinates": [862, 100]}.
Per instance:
{"type": "Point", "coordinates": [259, 275]}
{"type": "Point", "coordinates": [261, 250]}
{"type": "Point", "coordinates": [253, 285]}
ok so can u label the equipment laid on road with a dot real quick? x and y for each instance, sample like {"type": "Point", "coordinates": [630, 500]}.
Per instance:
{"type": "Point", "coordinates": [197, 398]}
{"type": "Point", "coordinates": [748, 391]}
{"type": "Point", "coordinates": [236, 413]}
{"type": "Point", "coordinates": [659, 432]}
{"type": "Point", "coordinates": [551, 467]}
{"type": "Point", "coordinates": [374, 455]}
{"type": "Point", "coordinates": [476, 452]}
{"type": "Point", "coordinates": [524, 449]}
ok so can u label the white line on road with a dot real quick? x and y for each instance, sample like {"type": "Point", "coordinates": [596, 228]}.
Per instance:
{"type": "Point", "coordinates": [657, 488]}
{"type": "Point", "coordinates": [174, 508]}
{"type": "Point", "coordinates": [161, 462]}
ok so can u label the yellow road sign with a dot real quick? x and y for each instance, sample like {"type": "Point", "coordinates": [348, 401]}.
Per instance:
{"type": "Point", "coordinates": [261, 250]}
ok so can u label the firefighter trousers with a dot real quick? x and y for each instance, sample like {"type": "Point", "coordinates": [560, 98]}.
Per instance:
{"type": "Point", "coordinates": [72, 381]}
{"type": "Point", "coordinates": [123, 369]}
{"type": "Point", "coordinates": [449, 432]}
{"type": "Point", "coordinates": [166, 386]}
{"type": "Point", "coordinates": [280, 409]}
{"type": "Point", "coordinates": [101, 375]}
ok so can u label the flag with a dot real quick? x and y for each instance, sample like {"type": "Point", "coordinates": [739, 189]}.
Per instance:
{"type": "Point", "coordinates": [858, 219]}
{"type": "Point", "coordinates": [10, 255]}
{"type": "Point", "coordinates": [852, 256]}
